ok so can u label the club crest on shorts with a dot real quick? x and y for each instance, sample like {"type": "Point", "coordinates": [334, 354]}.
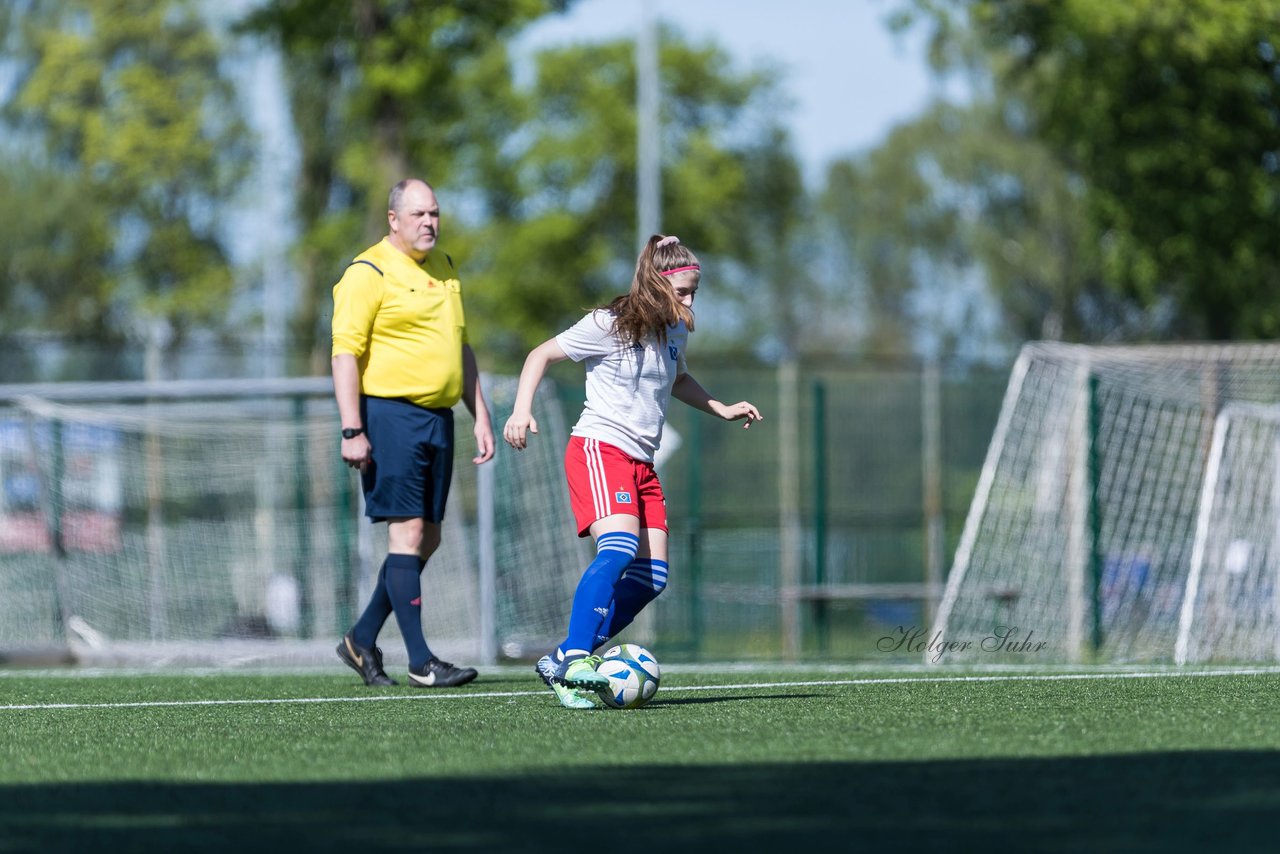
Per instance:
{"type": "Point", "coordinates": [622, 497]}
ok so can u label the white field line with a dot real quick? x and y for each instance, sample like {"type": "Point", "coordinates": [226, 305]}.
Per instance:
{"type": "Point", "coordinates": [740, 686]}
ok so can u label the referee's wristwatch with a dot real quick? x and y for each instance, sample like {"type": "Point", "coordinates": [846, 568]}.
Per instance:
{"type": "Point", "coordinates": [351, 432]}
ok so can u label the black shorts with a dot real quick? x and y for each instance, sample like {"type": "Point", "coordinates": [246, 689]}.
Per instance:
{"type": "Point", "coordinates": [412, 459]}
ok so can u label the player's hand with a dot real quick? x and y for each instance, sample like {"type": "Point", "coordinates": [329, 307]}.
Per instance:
{"type": "Point", "coordinates": [357, 452]}
{"type": "Point", "coordinates": [515, 430]}
{"type": "Point", "coordinates": [484, 442]}
{"type": "Point", "coordinates": [740, 410]}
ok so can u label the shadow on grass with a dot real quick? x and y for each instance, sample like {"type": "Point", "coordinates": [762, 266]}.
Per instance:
{"type": "Point", "coordinates": [1144, 802]}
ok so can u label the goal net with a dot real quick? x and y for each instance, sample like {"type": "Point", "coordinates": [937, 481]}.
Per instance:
{"type": "Point", "coordinates": [1231, 609]}
{"type": "Point", "coordinates": [214, 523]}
{"type": "Point", "coordinates": [1126, 512]}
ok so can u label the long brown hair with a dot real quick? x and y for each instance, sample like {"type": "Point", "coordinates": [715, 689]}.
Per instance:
{"type": "Point", "coordinates": [650, 307]}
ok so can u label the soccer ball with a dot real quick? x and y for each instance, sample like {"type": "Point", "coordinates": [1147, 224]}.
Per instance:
{"type": "Point", "coordinates": [633, 675]}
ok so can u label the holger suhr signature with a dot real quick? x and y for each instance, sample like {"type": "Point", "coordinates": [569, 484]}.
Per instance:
{"type": "Point", "coordinates": [917, 640]}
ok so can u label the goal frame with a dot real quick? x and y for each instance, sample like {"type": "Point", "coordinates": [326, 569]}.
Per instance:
{"type": "Point", "coordinates": [1079, 447]}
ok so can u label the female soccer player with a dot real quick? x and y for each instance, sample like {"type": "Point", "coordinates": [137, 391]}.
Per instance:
{"type": "Point", "coordinates": [634, 350]}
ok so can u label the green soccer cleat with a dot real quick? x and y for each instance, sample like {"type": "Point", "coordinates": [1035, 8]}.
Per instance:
{"type": "Point", "coordinates": [582, 674]}
{"type": "Point", "coordinates": [572, 698]}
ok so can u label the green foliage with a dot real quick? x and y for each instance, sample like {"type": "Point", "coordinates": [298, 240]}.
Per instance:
{"type": "Point", "coordinates": [962, 189]}
{"type": "Point", "coordinates": [125, 104]}
{"type": "Point", "coordinates": [1170, 113]}
{"type": "Point", "coordinates": [377, 94]}
{"type": "Point", "coordinates": [537, 181]}
{"type": "Point", "coordinates": [561, 192]}
{"type": "Point", "coordinates": [54, 251]}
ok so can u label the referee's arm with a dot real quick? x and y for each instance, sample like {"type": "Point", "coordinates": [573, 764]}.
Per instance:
{"type": "Point", "coordinates": [473, 399]}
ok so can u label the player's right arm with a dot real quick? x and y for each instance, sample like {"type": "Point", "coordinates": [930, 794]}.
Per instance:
{"type": "Point", "coordinates": [535, 367]}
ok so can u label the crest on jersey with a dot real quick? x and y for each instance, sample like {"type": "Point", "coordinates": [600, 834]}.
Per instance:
{"type": "Point", "coordinates": [675, 353]}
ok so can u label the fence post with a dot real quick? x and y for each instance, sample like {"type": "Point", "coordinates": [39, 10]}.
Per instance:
{"type": "Point", "coordinates": [1095, 515]}
{"type": "Point", "coordinates": [347, 582]}
{"type": "Point", "coordinates": [820, 605]}
{"type": "Point", "coordinates": [789, 504]}
{"type": "Point", "coordinates": [302, 559]}
{"type": "Point", "coordinates": [487, 581]}
{"type": "Point", "coordinates": [695, 535]}
{"type": "Point", "coordinates": [934, 521]}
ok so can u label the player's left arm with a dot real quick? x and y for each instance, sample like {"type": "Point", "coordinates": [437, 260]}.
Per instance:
{"type": "Point", "coordinates": [473, 398]}
{"type": "Point", "coordinates": [688, 390]}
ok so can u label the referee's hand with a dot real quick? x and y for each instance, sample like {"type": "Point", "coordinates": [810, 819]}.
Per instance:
{"type": "Point", "coordinates": [357, 452]}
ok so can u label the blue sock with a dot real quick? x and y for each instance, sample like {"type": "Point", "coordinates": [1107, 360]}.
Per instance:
{"type": "Point", "coordinates": [404, 588]}
{"type": "Point", "coordinates": [595, 591]}
{"type": "Point", "coordinates": [365, 631]}
{"type": "Point", "coordinates": [640, 584]}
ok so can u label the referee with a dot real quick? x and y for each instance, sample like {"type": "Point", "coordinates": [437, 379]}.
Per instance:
{"type": "Point", "coordinates": [400, 362]}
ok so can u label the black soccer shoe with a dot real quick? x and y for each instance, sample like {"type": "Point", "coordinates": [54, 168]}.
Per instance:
{"type": "Point", "coordinates": [440, 674]}
{"type": "Point", "coordinates": [366, 662]}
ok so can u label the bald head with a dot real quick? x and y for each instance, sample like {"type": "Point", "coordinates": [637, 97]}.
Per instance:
{"type": "Point", "coordinates": [396, 197]}
{"type": "Point", "coordinates": [413, 218]}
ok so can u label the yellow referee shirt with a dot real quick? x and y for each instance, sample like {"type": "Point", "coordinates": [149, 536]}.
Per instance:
{"type": "Point", "coordinates": [404, 324]}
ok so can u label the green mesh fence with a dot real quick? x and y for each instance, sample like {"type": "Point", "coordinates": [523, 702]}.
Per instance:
{"type": "Point", "coordinates": [805, 536]}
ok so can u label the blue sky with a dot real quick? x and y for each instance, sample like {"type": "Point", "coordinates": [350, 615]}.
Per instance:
{"type": "Point", "coordinates": [850, 78]}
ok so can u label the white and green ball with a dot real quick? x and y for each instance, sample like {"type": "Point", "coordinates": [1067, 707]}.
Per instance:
{"type": "Point", "coordinates": [633, 675]}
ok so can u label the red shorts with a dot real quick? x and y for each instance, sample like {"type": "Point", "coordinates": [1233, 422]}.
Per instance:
{"type": "Point", "coordinates": [604, 481]}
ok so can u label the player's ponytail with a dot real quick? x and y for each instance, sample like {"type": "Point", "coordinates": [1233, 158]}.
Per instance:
{"type": "Point", "coordinates": [651, 306]}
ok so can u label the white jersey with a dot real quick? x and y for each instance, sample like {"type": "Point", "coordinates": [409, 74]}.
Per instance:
{"type": "Point", "coordinates": [628, 387]}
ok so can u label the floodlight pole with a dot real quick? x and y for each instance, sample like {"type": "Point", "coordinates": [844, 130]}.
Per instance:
{"type": "Point", "coordinates": [648, 129]}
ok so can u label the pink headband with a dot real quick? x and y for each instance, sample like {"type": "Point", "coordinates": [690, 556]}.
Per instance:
{"type": "Point", "coordinates": [680, 270]}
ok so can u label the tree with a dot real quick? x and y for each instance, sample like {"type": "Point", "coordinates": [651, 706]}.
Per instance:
{"type": "Point", "coordinates": [53, 275]}
{"type": "Point", "coordinates": [376, 97]}
{"type": "Point", "coordinates": [122, 112]}
{"type": "Point", "coordinates": [964, 193]}
{"type": "Point", "coordinates": [538, 181]}
{"type": "Point", "coordinates": [1170, 115]}
{"type": "Point", "coordinates": [559, 191]}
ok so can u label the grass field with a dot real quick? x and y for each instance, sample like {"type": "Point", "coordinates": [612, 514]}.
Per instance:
{"type": "Point", "coordinates": [724, 759]}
